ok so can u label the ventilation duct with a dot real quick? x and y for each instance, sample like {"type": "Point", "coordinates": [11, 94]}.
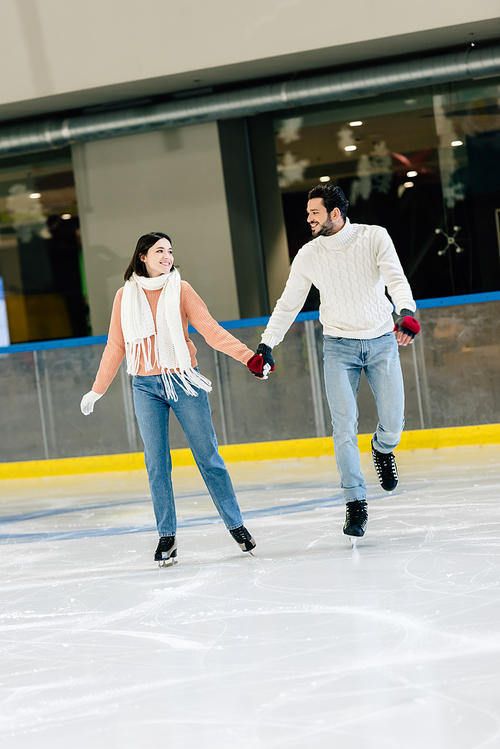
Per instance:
{"type": "Point", "coordinates": [474, 63]}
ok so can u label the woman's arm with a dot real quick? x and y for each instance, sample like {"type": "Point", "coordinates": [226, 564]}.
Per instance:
{"type": "Point", "coordinates": [197, 312]}
{"type": "Point", "coordinates": [114, 352]}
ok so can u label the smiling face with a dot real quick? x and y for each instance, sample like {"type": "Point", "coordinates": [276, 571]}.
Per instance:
{"type": "Point", "coordinates": [159, 258]}
{"type": "Point", "coordinates": [321, 222]}
{"type": "Point", "coordinates": [318, 218]}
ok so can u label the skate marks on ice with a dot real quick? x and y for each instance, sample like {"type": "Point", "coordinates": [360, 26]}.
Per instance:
{"type": "Point", "coordinates": [296, 647]}
{"type": "Point", "coordinates": [322, 497]}
{"type": "Point", "coordinates": [294, 497]}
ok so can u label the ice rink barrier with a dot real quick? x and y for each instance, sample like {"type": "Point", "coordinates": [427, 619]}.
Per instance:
{"type": "Point", "coordinates": [451, 383]}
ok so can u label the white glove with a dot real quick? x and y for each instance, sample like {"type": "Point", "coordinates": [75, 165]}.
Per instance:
{"type": "Point", "coordinates": [88, 400]}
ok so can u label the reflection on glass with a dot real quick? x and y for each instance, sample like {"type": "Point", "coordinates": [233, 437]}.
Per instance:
{"type": "Point", "coordinates": [418, 165]}
{"type": "Point", "coordinates": [40, 249]}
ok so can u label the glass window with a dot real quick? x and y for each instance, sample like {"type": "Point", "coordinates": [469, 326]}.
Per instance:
{"type": "Point", "coordinates": [40, 248]}
{"type": "Point", "coordinates": [423, 164]}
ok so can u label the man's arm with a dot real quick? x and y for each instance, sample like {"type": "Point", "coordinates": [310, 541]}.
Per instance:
{"type": "Point", "coordinates": [393, 274]}
{"type": "Point", "coordinates": [289, 304]}
{"type": "Point", "coordinates": [406, 328]}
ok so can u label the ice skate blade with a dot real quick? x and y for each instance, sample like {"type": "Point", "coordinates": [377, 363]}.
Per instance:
{"type": "Point", "coordinates": [167, 562]}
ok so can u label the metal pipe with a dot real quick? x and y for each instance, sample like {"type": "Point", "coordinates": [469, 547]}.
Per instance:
{"type": "Point", "coordinates": [475, 62]}
{"type": "Point", "coordinates": [316, 386]}
{"type": "Point", "coordinates": [40, 406]}
{"type": "Point", "coordinates": [220, 390]}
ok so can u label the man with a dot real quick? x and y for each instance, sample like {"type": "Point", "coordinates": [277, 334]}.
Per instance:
{"type": "Point", "coordinates": [351, 265]}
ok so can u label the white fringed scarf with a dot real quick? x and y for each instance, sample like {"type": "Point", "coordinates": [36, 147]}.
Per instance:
{"type": "Point", "coordinates": [164, 345]}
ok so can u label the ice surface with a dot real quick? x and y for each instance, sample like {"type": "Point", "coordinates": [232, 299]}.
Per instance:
{"type": "Point", "coordinates": [394, 644]}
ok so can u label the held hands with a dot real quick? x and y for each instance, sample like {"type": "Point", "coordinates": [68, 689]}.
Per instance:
{"type": "Point", "coordinates": [406, 327]}
{"type": "Point", "coordinates": [261, 363]}
{"type": "Point", "coordinates": [87, 403]}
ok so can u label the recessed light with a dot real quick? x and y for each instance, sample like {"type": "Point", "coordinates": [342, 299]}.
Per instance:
{"type": "Point", "coordinates": [66, 216]}
{"type": "Point", "coordinates": [411, 174]}
{"type": "Point", "coordinates": [324, 179]}
{"type": "Point", "coordinates": [408, 184]}
{"type": "Point", "coordinates": [457, 143]}
{"type": "Point", "coordinates": [355, 123]}
{"type": "Point", "coordinates": [35, 195]}
{"type": "Point", "coordinates": [350, 148]}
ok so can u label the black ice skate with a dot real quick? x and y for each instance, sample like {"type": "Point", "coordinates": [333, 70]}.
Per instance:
{"type": "Point", "coordinates": [356, 519]}
{"type": "Point", "coordinates": [243, 539]}
{"type": "Point", "coordinates": [387, 472]}
{"type": "Point", "coordinates": [166, 551]}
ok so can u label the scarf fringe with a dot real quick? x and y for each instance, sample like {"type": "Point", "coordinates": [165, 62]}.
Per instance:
{"type": "Point", "coordinates": [133, 351]}
{"type": "Point", "coordinates": [187, 380]}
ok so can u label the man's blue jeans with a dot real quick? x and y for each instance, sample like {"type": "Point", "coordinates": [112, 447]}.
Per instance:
{"type": "Point", "coordinates": [344, 359]}
{"type": "Point", "coordinates": [152, 408]}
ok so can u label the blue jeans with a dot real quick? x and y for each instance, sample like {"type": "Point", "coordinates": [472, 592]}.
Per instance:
{"type": "Point", "coordinates": [344, 359]}
{"type": "Point", "coordinates": [152, 408]}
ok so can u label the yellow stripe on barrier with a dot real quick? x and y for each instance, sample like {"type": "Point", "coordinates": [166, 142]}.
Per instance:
{"type": "Point", "coordinates": [483, 434]}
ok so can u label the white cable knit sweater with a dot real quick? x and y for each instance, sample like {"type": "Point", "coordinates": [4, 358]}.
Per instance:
{"type": "Point", "coordinates": [351, 270]}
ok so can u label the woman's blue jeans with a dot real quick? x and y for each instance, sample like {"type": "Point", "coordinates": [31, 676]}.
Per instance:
{"type": "Point", "coordinates": [152, 408]}
{"type": "Point", "coordinates": [344, 359]}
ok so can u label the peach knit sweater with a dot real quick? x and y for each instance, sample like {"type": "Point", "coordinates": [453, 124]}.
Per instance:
{"type": "Point", "coordinates": [192, 307]}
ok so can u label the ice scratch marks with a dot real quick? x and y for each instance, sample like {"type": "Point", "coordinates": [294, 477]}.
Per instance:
{"type": "Point", "coordinates": [312, 504]}
{"type": "Point", "coordinates": [174, 641]}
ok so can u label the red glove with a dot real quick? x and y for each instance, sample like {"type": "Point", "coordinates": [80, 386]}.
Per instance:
{"type": "Point", "coordinates": [406, 323]}
{"type": "Point", "coordinates": [255, 364]}
{"type": "Point", "coordinates": [258, 365]}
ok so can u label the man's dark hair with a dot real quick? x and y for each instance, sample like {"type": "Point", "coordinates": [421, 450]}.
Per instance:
{"type": "Point", "coordinates": [136, 265]}
{"type": "Point", "coordinates": [332, 196]}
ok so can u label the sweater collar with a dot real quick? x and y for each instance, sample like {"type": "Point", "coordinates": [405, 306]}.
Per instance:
{"type": "Point", "coordinates": [340, 239]}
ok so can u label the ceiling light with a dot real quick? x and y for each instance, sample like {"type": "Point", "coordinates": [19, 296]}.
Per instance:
{"type": "Point", "coordinates": [350, 148]}
{"type": "Point", "coordinates": [408, 184]}
{"type": "Point", "coordinates": [457, 143]}
{"type": "Point", "coordinates": [66, 216]}
{"type": "Point", "coordinates": [35, 195]}
{"type": "Point", "coordinates": [324, 179]}
{"type": "Point", "coordinates": [355, 123]}
{"type": "Point", "coordinates": [411, 174]}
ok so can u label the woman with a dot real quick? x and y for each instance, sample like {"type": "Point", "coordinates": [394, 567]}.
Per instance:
{"type": "Point", "coordinates": [149, 325]}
